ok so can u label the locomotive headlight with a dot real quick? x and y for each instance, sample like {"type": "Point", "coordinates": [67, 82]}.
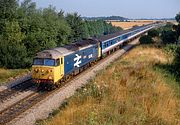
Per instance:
{"type": "Point", "coordinates": [50, 77]}
{"type": "Point", "coordinates": [36, 70]}
{"type": "Point", "coordinates": [48, 71]}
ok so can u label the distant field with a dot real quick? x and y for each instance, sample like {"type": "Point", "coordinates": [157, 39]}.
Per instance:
{"type": "Point", "coordinates": [127, 25]}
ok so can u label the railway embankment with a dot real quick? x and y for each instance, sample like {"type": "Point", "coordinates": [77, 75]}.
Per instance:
{"type": "Point", "coordinates": [133, 90]}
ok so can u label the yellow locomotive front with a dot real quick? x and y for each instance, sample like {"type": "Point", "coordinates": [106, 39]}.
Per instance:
{"type": "Point", "coordinates": [47, 69]}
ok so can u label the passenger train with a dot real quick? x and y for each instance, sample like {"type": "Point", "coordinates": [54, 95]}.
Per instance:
{"type": "Point", "coordinates": [53, 67]}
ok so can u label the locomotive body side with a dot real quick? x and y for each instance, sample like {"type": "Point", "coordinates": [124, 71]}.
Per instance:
{"type": "Point", "coordinates": [80, 58]}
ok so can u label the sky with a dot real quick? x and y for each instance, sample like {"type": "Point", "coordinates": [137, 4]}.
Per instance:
{"type": "Point", "coordinates": [126, 8]}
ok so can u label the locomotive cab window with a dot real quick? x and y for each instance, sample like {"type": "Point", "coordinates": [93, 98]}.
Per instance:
{"type": "Point", "coordinates": [57, 62]}
{"type": "Point", "coordinates": [49, 62]}
{"type": "Point", "coordinates": [45, 62]}
{"type": "Point", "coordinates": [38, 62]}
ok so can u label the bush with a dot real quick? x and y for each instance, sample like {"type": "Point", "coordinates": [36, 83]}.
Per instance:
{"type": "Point", "coordinates": [171, 49]}
{"type": "Point", "coordinates": [153, 33]}
{"type": "Point", "coordinates": [146, 39]}
{"type": "Point", "coordinates": [168, 37]}
{"type": "Point", "coordinates": [177, 59]}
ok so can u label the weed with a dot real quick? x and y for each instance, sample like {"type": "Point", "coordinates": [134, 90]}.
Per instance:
{"type": "Point", "coordinates": [7, 74]}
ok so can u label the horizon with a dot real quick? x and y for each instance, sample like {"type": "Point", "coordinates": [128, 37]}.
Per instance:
{"type": "Point", "coordinates": [129, 18]}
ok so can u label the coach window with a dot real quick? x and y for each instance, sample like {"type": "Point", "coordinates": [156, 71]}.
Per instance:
{"type": "Point", "coordinates": [111, 42]}
{"type": "Point", "coordinates": [104, 45]}
{"type": "Point", "coordinates": [107, 44]}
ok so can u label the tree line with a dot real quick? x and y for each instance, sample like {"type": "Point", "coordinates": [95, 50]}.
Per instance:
{"type": "Point", "coordinates": [26, 30]}
{"type": "Point", "coordinates": [169, 34]}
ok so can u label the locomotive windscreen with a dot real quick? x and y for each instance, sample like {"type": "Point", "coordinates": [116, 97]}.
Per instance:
{"type": "Point", "coordinates": [45, 62]}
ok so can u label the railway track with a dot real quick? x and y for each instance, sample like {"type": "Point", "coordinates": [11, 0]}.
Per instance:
{"type": "Point", "coordinates": [21, 106]}
{"type": "Point", "coordinates": [14, 110]}
{"type": "Point", "coordinates": [13, 91]}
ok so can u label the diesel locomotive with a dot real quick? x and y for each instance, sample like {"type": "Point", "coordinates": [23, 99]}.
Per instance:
{"type": "Point", "coordinates": [54, 66]}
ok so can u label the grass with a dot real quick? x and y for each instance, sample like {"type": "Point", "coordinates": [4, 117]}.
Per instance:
{"type": "Point", "coordinates": [9, 74]}
{"type": "Point", "coordinates": [132, 91]}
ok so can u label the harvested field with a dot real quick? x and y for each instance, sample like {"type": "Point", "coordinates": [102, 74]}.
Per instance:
{"type": "Point", "coordinates": [128, 25]}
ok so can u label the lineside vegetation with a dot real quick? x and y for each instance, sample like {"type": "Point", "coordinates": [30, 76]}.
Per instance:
{"type": "Point", "coordinates": [10, 74]}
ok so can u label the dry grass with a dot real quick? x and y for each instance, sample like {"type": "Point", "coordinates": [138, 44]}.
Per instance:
{"type": "Point", "coordinates": [128, 25]}
{"type": "Point", "coordinates": [9, 74]}
{"type": "Point", "coordinates": [129, 92]}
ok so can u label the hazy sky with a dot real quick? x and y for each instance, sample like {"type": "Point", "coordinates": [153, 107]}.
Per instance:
{"type": "Point", "coordinates": [126, 8]}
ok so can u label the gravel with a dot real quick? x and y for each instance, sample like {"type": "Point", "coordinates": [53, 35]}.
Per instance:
{"type": "Point", "coordinates": [46, 106]}
{"type": "Point", "coordinates": [14, 99]}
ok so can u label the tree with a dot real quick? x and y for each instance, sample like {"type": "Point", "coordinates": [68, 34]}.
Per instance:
{"type": "Point", "coordinates": [7, 12]}
{"type": "Point", "coordinates": [178, 17]}
{"type": "Point", "coordinates": [12, 50]}
{"type": "Point", "coordinates": [61, 14]}
{"type": "Point", "coordinates": [146, 39]}
{"type": "Point", "coordinates": [76, 24]}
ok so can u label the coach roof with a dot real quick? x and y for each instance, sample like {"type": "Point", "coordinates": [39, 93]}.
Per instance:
{"type": "Point", "coordinates": [107, 37]}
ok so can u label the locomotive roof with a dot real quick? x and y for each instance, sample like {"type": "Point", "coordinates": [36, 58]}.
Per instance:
{"type": "Point", "coordinates": [67, 49]}
{"type": "Point", "coordinates": [106, 37]}
{"type": "Point", "coordinates": [80, 44]}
